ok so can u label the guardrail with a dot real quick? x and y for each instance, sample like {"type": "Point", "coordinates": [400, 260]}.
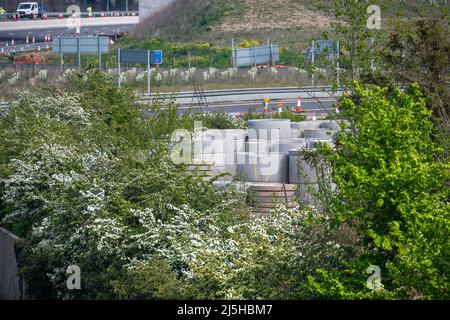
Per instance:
{"type": "Point", "coordinates": [25, 47]}
{"type": "Point", "coordinates": [100, 14]}
{"type": "Point", "coordinates": [246, 91]}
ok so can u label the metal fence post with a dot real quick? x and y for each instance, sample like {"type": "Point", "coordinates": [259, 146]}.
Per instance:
{"type": "Point", "coordinates": [118, 63]}
{"type": "Point", "coordinates": [99, 54]}
{"type": "Point", "coordinates": [272, 60]}
{"type": "Point", "coordinates": [149, 73]}
{"type": "Point", "coordinates": [61, 54]}
{"type": "Point", "coordinates": [313, 50]}
{"type": "Point", "coordinates": [337, 62]}
{"type": "Point", "coordinates": [232, 52]}
{"type": "Point", "coordinates": [79, 53]}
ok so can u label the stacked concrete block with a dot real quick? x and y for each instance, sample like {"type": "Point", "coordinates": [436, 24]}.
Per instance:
{"type": "Point", "coordinates": [322, 134]}
{"type": "Point", "coordinates": [269, 129]}
{"type": "Point", "coordinates": [297, 128]}
{"type": "Point", "coordinates": [219, 147]}
{"type": "Point", "coordinates": [258, 146]}
{"type": "Point", "coordinates": [262, 167]}
{"type": "Point", "coordinates": [286, 145]}
{"type": "Point", "coordinates": [331, 124]}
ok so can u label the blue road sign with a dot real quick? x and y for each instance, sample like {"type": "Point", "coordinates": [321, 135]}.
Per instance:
{"type": "Point", "coordinates": [140, 56]}
{"type": "Point", "coordinates": [134, 56]}
{"type": "Point", "coordinates": [156, 57]}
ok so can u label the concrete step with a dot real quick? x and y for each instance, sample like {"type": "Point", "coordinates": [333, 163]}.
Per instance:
{"type": "Point", "coordinates": [271, 199]}
{"type": "Point", "coordinates": [272, 187]}
{"type": "Point", "coordinates": [274, 194]}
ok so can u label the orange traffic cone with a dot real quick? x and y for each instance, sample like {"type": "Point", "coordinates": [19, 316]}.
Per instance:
{"type": "Point", "coordinates": [266, 105]}
{"type": "Point", "coordinates": [27, 40]}
{"type": "Point", "coordinates": [299, 105]}
{"type": "Point", "coordinates": [280, 108]}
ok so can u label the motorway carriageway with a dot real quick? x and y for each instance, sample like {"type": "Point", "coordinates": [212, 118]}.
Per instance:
{"type": "Point", "coordinates": [310, 106]}
{"type": "Point", "coordinates": [39, 34]}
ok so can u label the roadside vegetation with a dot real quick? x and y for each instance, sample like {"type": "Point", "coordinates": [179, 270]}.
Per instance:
{"type": "Point", "coordinates": [86, 178]}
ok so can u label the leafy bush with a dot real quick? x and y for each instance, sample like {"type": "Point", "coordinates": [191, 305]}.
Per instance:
{"type": "Point", "coordinates": [391, 188]}
{"type": "Point", "coordinates": [285, 114]}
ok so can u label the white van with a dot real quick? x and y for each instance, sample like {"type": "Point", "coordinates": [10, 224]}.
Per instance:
{"type": "Point", "coordinates": [28, 9]}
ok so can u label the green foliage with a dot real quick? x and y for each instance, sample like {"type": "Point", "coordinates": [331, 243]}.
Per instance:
{"type": "Point", "coordinates": [178, 54]}
{"type": "Point", "coordinates": [74, 166]}
{"type": "Point", "coordinates": [392, 189]}
{"type": "Point", "coordinates": [419, 51]}
{"type": "Point", "coordinates": [354, 36]}
{"type": "Point", "coordinates": [285, 114]}
{"type": "Point", "coordinates": [151, 280]}
{"type": "Point", "coordinates": [86, 178]}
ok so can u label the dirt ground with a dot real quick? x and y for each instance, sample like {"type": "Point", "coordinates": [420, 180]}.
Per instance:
{"type": "Point", "coordinates": [275, 15]}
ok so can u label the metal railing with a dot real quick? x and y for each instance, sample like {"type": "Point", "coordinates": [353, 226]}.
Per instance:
{"type": "Point", "coordinates": [25, 47]}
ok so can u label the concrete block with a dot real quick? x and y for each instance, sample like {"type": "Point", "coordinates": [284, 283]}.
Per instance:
{"type": "Point", "coordinates": [269, 129]}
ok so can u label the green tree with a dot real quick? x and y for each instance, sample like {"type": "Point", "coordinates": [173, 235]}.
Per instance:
{"type": "Point", "coordinates": [394, 191]}
{"type": "Point", "coordinates": [351, 29]}
{"type": "Point", "coordinates": [419, 51]}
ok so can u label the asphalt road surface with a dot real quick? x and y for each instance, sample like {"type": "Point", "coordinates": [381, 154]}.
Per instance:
{"type": "Point", "coordinates": [235, 108]}
{"type": "Point", "coordinates": [39, 34]}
